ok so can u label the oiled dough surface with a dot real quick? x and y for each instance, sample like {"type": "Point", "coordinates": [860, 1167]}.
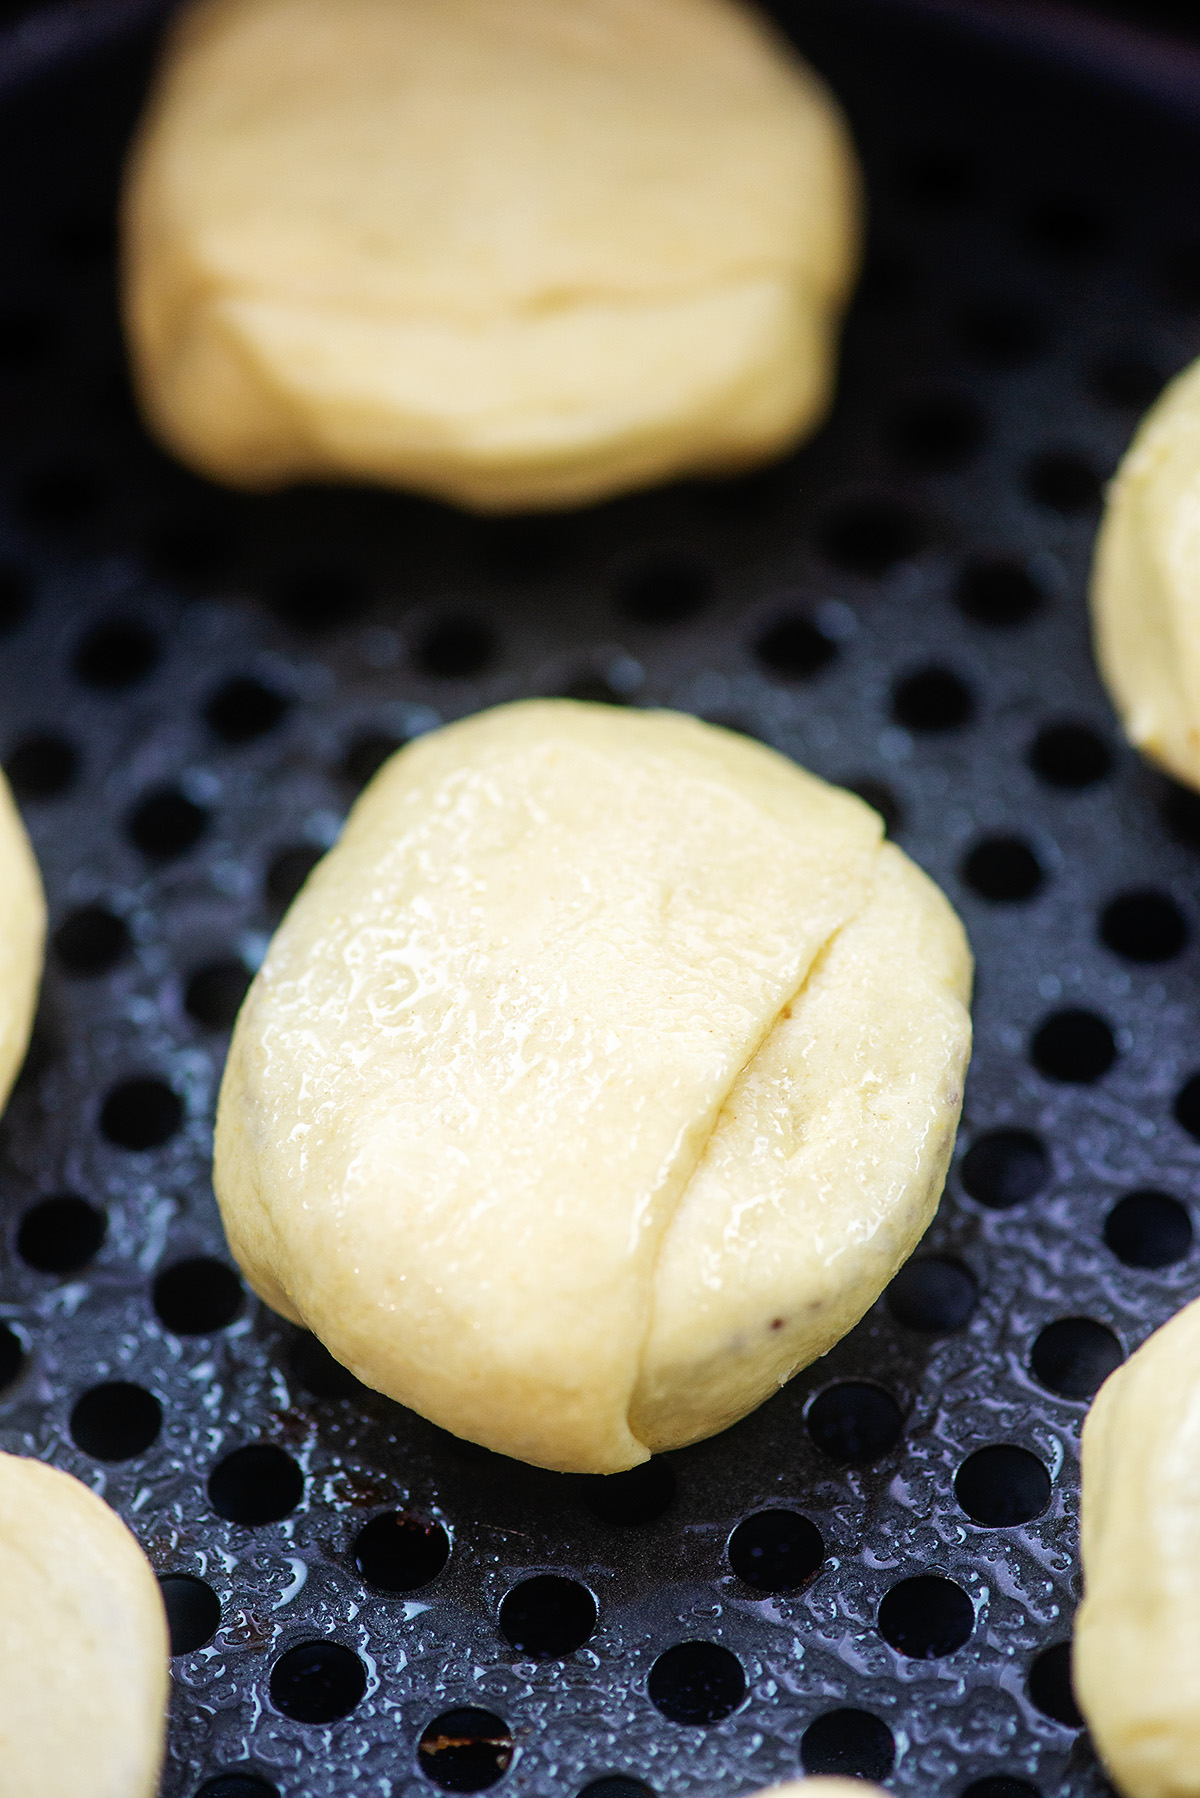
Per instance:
{"type": "Point", "coordinates": [597, 1080]}
{"type": "Point", "coordinates": [22, 939]}
{"type": "Point", "coordinates": [1137, 1632]}
{"type": "Point", "coordinates": [83, 1644]}
{"type": "Point", "coordinates": [1146, 583]}
{"type": "Point", "coordinates": [512, 252]}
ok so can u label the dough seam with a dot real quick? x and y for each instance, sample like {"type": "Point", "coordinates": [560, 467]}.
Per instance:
{"type": "Point", "coordinates": [785, 1010]}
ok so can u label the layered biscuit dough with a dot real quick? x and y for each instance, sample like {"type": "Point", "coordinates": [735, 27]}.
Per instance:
{"type": "Point", "coordinates": [598, 1080]}
{"type": "Point", "coordinates": [22, 940]}
{"type": "Point", "coordinates": [83, 1644]}
{"type": "Point", "coordinates": [1136, 1660]}
{"type": "Point", "coordinates": [514, 253]}
{"type": "Point", "coordinates": [1146, 584]}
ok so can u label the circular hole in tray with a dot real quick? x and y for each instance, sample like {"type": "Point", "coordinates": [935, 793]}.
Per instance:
{"type": "Point", "coordinates": [466, 1750]}
{"type": "Point", "coordinates": [668, 590]}
{"type": "Point", "coordinates": [1149, 1229]}
{"type": "Point", "coordinates": [617, 1785]}
{"type": "Point", "coordinates": [12, 1356]}
{"type": "Point", "coordinates": [288, 871]}
{"type": "Point", "coordinates": [1000, 1785]}
{"type": "Point", "coordinates": [44, 766]}
{"type": "Point", "coordinates": [116, 1421]}
{"type": "Point", "coordinates": [939, 433]}
{"type": "Point", "coordinates": [314, 1368]}
{"type": "Point", "coordinates": [934, 1294]}
{"type": "Point", "coordinates": [197, 1296]}
{"type": "Point", "coordinates": [795, 647]}
{"type": "Point", "coordinates": [189, 551]}
{"type": "Point", "coordinates": [932, 699]}
{"type": "Point", "coordinates": [1074, 1356]}
{"type": "Point", "coordinates": [456, 648]}
{"type": "Point", "coordinates": [317, 1682]}
{"type": "Point", "coordinates": [926, 1617]}
{"type": "Point", "coordinates": [855, 1421]}
{"type": "Point", "coordinates": [776, 1551]}
{"type": "Point", "coordinates": [256, 1484]}
{"type": "Point", "coordinates": [1187, 1106]}
{"type": "Point", "coordinates": [237, 1785]}
{"type": "Point", "coordinates": [1072, 756]}
{"type": "Point", "coordinates": [165, 824]}
{"type": "Point", "coordinates": [29, 335]}
{"type": "Point", "coordinates": [943, 177]}
{"type": "Point", "coordinates": [116, 654]}
{"type": "Point", "coordinates": [141, 1114]}
{"type": "Point", "coordinates": [1003, 1168]}
{"type": "Point", "coordinates": [60, 1235]}
{"type": "Point", "coordinates": [214, 993]}
{"type": "Point", "coordinates": [1049, 1686]}
{"type": "Point", "coordinates": [548, 1616]}
{"type": "Point", "coordinates": [16, 596]}
{"type": "Point", "coordinates": [1064, 226]}
{"type": "Point", "coordinates": [998, 593]}
{"type": "Point", "coordinates": [91, 940]}
{"type": "Point", "coordinates": [697, 1683]}
{"type": "Point", "coordinates": [880, 797]}
{"type": "Point", "coordinates": [365, 756]}
{"type": "Point", "coordinates": [639, 1495]}
{"type": "Point", "coordinates": [1001, 333]}
{"type": "Point", "coordinates": [1063, 482]}
{"type": "Point", "coordinates": [400, 1552]}
{"type": "Point", "coordinates": [244, 708]}
{"type": "Point", "coordinates": [315, 600]}
{"type": "Point", "coordinates": [1181, 813]}
{"type": "Point", "coordinates": [1144, 926]}
{"type": "Point", "coordinates": [871, 536]}
{"type": "Point", "coordinates": [59, 496]}
{"type": "Point", "coordinates": [193, 1611]}
{"type": "Point", "coordinates": [1003, 869]}
{"type": "Point", "coordinates": [1002, 1485]}
{"type": "Point", "coordinates": [848, 1743]}
{"type": "Point", "coordinates": [1128, 381]}
{"type": "Point", "coordinates": [1075, 1047]}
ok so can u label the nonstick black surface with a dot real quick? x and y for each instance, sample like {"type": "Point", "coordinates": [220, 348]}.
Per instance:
{"type": "Point", "coordinates": [192, 687]}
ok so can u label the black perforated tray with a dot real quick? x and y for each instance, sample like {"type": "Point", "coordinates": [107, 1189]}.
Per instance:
{"type": "Point", "coordinates": [191, 686]}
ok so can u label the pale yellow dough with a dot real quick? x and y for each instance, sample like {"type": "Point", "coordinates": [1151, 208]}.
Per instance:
{"type": "Point", "coordinates": [22, 940]}
{"type": "Point", "coordinates": [514, 253]}
{"type": "Point", "coordinates": [598, 1080]}
{"type": "Point", "coordinates": [1137, 1632]}
{"type": "Point", "coordinates": [83, 1644]}
{"type": "Point", "coordinates": [1146, 583]}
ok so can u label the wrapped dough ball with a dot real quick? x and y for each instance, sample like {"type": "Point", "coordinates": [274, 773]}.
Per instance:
{"type": "Point", "coordinates": [599, 1079]}
{"type": "Point", "coordinates": [83, 1642]}
{"type": "Point", "coordinates": [1146, 583]}
{"type": "Point", "coordinates": [22, 940]}
{"type": "Point", "coordinates": [1136, 1659]}
{"type": "Point", "coordinates": [513, 253]}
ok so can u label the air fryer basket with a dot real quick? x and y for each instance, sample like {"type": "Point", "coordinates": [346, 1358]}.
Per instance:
{"type": "Point", "coordinates": [193, 684]}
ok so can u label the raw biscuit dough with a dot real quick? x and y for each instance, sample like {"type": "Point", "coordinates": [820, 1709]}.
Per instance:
{"type": "Point", "coordinates": [598, 1079]}
{"type": "Point", "coordinates": [1136, 1660]}
{"type": "Point", "coordinates": [1146, 583]}
{"type": "Point", "coordinates": [83, 1644]}
{"type": "Point", "coordinates": [22, 939]}
{"type": "Point", "coordinates": [514, 253]}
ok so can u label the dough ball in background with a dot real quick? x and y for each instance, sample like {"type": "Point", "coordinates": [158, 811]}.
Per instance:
{"type": "Point", "coordinates": [1146, 583]}
{"type": "Point", "coordinates": [22, 940]}
{"type": "Point", "coordinates": [1136, 1657]}
{"type": "Point", "coordinates": [512, 253]}
{"type": "Point", "coordinates": [83, 1644]}
{"type": "Point", "coordinates": [600, 1078]}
